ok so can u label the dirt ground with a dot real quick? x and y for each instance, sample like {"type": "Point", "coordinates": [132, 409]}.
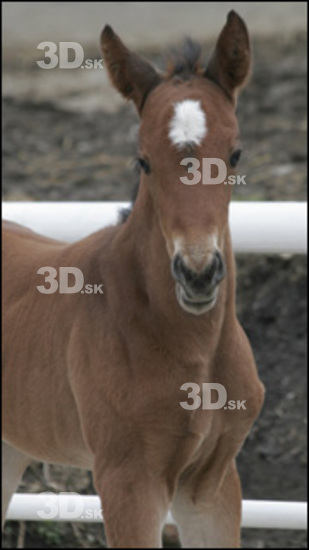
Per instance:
{"type": "Point", "coordinates": [54, 154]}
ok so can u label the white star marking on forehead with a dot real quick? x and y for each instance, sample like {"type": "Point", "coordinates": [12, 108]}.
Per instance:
{"type": "Point", "coordinates": [188, 125]}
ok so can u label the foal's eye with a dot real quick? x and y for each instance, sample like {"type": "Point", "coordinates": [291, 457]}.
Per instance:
{"type": "Point", "coordinates": [234, 158]}
{"type": "Point", "coordinates": [144, 165]}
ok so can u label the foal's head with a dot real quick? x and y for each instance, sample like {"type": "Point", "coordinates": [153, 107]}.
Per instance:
{"type": "Point", "coordinates": [188, 112]}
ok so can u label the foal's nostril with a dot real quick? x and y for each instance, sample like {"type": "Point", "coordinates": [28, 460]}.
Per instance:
{"type": "Point", "coordinates": [219, 272]}
{"type": "Point", "coordinates": [176, 266]}
{"type": "Point", "coordinates": [181, 273]}
{"type": "Point", "coordinates": [214, 273]}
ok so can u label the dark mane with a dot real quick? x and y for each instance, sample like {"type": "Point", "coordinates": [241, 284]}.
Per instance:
{"type": "Point", "coordinates": [185, 62]}
{"type": "Point", "coordinates": [124, 213]}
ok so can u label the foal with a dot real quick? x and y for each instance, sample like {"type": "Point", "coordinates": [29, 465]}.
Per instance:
{"type": "Point", "coordinates": [101, 381]}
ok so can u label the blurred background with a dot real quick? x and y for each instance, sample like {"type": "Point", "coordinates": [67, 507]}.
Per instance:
{"type": "Point", "coordinates": [69, 136]}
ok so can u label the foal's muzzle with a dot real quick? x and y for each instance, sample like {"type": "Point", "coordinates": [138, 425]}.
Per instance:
{"type": "Point", "coordinates": [197, 292]}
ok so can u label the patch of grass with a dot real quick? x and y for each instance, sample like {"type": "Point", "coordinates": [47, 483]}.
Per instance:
{"type": "Point", "coordinates": [50, 533]}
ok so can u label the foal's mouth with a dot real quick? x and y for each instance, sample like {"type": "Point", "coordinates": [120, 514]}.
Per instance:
{"type": "Point", "coordinates": [196, 304]}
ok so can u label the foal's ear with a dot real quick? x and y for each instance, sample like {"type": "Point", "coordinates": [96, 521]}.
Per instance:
{"type": "Point", "coordinates": [131, 75]}
{"type": "Point", "coordinates": [229, 65]}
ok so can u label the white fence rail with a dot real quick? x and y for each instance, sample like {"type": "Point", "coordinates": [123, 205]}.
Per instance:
{"type": "Point", "coordinates": [257, 227]}
{"type": "Point", "coordinates": [264, 514]}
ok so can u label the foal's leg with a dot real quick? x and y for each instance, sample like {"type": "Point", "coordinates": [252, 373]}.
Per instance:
{"type": "Point", "coordinates": [134, 506]}
{"type": "Point", "coordinates": [207, 518]}
{"type": "Point", "coordinates": [14, 463]}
